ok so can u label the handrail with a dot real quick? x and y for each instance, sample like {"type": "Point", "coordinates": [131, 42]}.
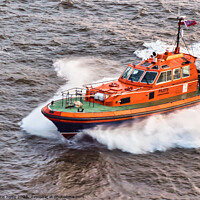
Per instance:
{"type": "Point", "coordinates": [127, 92]}
{"type": "Point", "coordinates": [95, 83]}
{"type": "Point", "coordinates": [75, 88]}
{"type": "Point", "coordinates": [66, 92]}
{"type": "Point", "coordinates": [78, 94]}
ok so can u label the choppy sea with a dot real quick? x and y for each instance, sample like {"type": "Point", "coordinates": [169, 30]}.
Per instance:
{"type": "Point", "coordinates": [47, 46]}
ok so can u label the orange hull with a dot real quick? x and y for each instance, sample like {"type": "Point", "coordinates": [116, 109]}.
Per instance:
{"type": "Point", "coordinates": [162, 83]}
{"type": "Point", "coordinates": [67, 122]}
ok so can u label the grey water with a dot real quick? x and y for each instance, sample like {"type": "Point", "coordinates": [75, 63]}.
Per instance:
{"type": "Point", "coordinates": [48, 45]}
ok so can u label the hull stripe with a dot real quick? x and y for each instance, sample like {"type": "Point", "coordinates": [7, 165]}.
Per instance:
{"type": "Point", "coordinates": [120, 117]}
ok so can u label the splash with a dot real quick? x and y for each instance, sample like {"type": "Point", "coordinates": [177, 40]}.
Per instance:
{"type": "Point", "coordinates": [36, 124]}
{"type": "Point", "coordinates": [159, 132]}
{"type": "Point", "coordinates": [76, 72]}
{"type": "Point", "coordinates": [160, 47]}
{"type": "Point", "coordinates": [156, 133]}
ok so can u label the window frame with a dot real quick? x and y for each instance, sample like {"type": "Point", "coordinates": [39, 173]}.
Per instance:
{"type": "Point", "coordinates": [182, 72]}
{"type": "Point", "coordinates": [166, 77]}
{"type": "Point", "coordinates": [155, 68]}
{"type": "Point", "coordinates": [145, 74]}
{"type": "Point", "coordinates": [140, 76]}
{"type": "Point", "coordinates": [128, 74]}
{"type": "Point", "coordinates": [146, 64]}
{"type": "Point", "coordinates": [165, 66]}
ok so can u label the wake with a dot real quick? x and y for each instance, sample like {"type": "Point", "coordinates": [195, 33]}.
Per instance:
{"type": "Point", "coordinates": [76, 72]}
{"type": "Point", "coordinates": [155, 133]}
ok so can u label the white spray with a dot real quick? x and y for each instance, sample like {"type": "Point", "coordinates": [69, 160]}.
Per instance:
{"type": "Point", "coordinates": [76, 71]}
{"type": "Point", "coordinates": [158, 132]}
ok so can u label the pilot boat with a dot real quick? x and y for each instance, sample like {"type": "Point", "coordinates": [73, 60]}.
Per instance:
{"type": "Point", "coordinates": [162, 83]}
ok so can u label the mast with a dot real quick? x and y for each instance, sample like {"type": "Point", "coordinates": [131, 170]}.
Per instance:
{"type": "Point", "coordinates": [177, 49]}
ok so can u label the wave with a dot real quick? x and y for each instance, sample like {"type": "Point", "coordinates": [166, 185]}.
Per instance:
{"type": "Point", "coordinates": [76, 71]}
{"type": "Point", "coordinates": [159, 132]}
{"type": "Point", "coordinates": [155, 133]}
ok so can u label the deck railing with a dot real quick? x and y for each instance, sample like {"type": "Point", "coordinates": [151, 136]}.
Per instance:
{"type": "Point", "coordinates": [78, 94]}
{"type": "Point", "coordinates": [71, 95]}
{"type": "Point", "coordinates": [89, 85]}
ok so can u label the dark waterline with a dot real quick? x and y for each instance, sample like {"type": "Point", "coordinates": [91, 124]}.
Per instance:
{"type": "Point", "coordinates": [102, 35]}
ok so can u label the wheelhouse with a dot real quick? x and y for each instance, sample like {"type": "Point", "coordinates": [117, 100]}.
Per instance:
{"type": "Point", "coordinates": [162, 83]}
{"type": "Point", "coordinates": [171, 69]}
{"type": "Point", "coordinates": [171, 75]}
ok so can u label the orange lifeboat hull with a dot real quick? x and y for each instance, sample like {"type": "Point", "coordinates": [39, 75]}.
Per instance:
{"type": "Point", "coordinates": [69, 123]}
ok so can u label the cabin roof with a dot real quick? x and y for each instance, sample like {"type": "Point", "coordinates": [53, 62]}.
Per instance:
{"type": "Point", "coordinates": [165, 61]}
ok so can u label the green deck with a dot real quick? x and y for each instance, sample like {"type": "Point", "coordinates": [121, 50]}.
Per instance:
{"type": "Point", "coordinates": [60, 105]}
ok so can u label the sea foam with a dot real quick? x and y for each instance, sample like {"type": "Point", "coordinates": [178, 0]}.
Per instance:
{"type": "Point", "coordinates": [76, 71]}
{"type": "Point", "coordinates": [158, 132]}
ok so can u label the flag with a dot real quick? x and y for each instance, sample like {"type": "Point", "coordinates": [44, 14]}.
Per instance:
{"type": "Point", "coordinates": [188, 22]}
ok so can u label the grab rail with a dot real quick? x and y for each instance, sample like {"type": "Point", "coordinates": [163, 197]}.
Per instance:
{"type": "Point", "coordinates": [74, 94]}
{"type": "Point", "coordinates": [96, 83]}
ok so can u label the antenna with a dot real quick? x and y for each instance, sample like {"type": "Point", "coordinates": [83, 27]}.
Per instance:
{"type": "Point", "coordinates": [177, 49]}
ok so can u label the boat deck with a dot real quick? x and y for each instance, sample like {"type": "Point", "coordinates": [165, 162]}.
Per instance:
{"type": "Point", "coordinates": [60, 105]}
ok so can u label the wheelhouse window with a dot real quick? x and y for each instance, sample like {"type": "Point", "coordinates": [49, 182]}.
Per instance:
{"type": "Point", "coordinates": [149, 77]}
{"type": "Point", "coordinates": [146, 64]}
{"type": "Point", "coordinates": [186, 61]}
{"type": "Point", "coordinates": [126, 73]}
{"type": "Point", "coordinates": [165, 77]}
{"type": "Point", "coordinates": [186, 71]}
{"type": "Point", "coordinates": [164, 66]}
{"type": "Point", "coordinates": [136, 75]}
{"type": "Point", "coordinates": [176, 74]}
{"type": "Point", "coordinates": [155, 67]}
